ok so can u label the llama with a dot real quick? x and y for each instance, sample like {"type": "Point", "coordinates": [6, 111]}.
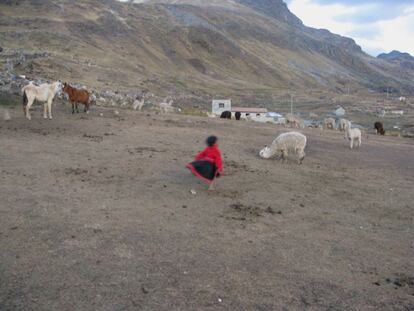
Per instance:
{"type": "Point", "coordinates": [354, 135]}
{"type": "Point", "coordinates": [295, 121]}
{"type": "Point", "coordinates": [167, 107]}
{"type": "Point", "coordinates": [290, 141]}
{"type": "Point", "coordinates": [346, 124]}
{"type": "Point", "coordinates": [329, 123]}
{"type": "Point", "coordinates": [43, 93]}
{"type": "Point", "coordinates": [342, 124]}
{"type": "Point", "coordinates": [138, 104]}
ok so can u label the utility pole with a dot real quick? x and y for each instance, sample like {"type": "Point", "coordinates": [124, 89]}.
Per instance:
{"type": "Point", "coordinates": [291, 104]}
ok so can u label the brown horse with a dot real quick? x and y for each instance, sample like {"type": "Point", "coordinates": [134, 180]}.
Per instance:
{"type": "Point", "coordinates": [77, 96]}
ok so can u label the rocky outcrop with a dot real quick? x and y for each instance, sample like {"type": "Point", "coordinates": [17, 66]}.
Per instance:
{"type": "Point", "coordinates": [273, 8]}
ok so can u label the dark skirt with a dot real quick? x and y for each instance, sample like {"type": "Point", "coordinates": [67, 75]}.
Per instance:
{"type": "Point", "coordinates": [203, 169]}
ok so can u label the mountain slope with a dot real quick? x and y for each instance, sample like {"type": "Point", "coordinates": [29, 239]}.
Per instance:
{"type": "Point", "coordinates": [190, 49]}
{"type": "Point", "coordinates": [404, 60]}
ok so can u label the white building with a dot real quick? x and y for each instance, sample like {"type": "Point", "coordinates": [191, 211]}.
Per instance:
{"type": "Point", "coordinates": [220, 105]}
{"type": "Point", "coordinates": [397, 112]}
{"type": "Point", "coordinates": [251, 113]}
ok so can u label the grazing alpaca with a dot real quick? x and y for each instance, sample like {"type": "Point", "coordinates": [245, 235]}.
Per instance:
{"type": "Point", "coordinates": [43, 93]}
{"type": "Point", "coordinates": [77, 96]}
{"type": "Point", "coordinates": [379, 128]}
{"type": "Point", "coordinates": [354, 135]}
{"type": "Point", "coordinates": [291, 141]}
{"type": "Point", "coordinates": [329, 123]}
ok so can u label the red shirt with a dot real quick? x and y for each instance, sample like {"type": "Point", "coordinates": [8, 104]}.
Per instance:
{"type": "Point", "coordinates": [212, 154]}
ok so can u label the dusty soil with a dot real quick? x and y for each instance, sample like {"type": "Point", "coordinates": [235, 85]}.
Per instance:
{"type": "Point", "coordinates": [96, 214]}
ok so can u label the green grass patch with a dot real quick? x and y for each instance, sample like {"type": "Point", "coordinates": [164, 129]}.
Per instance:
{"type": "Point", "coordinates": [178, 83]}
{"type": "Point", "coordinates": [191, 111]}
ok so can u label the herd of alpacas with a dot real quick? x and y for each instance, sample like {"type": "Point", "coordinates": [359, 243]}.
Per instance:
{"type": "Point", "coordinates": [282, 145]}
{"type": "Point", "coordinates": [295, 142]}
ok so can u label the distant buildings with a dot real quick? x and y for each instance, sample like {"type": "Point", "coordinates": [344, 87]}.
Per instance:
{"type": "Point", "coordinates": [218, 106]}
{"type": "Point", "coordinates": [249, 113]}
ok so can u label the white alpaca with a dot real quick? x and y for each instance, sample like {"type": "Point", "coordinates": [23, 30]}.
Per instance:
{"type": "Point", "coordinates": [342, 124]}
{"type": "Point", "coordinates": [167, 107]}
{"type": "Point", "coordinates": [138, 104]}
{"type": "Point", "coordinates": [329, 123]}
{"type": "Point", "coordinates": [353, 134]}
{"type": "Point", "coordinates": [294, 120]}
{"type": "Point", "coordinates": [346, 124]}
{"type": "Point", "coordinates": [43, 93]}
{"type": "Point", "coordinates": [291, 141]}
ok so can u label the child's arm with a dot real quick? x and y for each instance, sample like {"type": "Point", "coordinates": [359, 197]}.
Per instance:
{"type": "Point", "coordinates": [200, 156]}
{"type": "Point", "coordinates": [219, 163]}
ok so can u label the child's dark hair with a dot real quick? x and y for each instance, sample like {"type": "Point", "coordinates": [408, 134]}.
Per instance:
{"type": "Point", "coordinates": [211, 140]}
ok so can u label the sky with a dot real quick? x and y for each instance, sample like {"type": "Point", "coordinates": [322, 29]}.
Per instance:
{"type": "Point", "coordinates": [376, 25]}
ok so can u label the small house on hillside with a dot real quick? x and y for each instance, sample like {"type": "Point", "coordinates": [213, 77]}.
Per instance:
{"type": "Point", "coordinates": [220, 105]}
{"type": "Point", "coordinates": [249, 112]}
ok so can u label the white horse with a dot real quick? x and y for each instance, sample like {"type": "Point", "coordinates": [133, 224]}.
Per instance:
{"type": "Point", "coordinates": [43, 93]}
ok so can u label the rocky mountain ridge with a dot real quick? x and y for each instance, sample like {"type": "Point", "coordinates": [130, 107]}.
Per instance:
{"type": "Point", "coordinates": [192, 50]}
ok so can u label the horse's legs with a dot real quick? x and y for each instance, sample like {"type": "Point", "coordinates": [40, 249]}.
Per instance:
{"type": "Point", "coordinates": [73, 107]}
{"type": "Point", "coordinates": [45, 110]}
{"type": "Point", "coordinates": [49, 107]}
{"type": "Point", "coordinates": [29, 104]}
{"type": "Point", "coordinates": [77, 107]}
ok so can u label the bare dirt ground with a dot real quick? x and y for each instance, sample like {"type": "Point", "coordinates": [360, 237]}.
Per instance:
{"type": "Point", "coordinates": [96, 214]}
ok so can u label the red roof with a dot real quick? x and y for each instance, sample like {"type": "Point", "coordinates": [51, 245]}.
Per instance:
{"type": "Point", "coordinates": [248, 110]}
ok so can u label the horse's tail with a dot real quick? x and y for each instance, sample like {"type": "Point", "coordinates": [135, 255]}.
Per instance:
{"type": "Point", "coordinates": [24, 101]}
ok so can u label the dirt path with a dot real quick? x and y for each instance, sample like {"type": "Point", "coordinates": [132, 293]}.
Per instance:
{"type": "Point", "coordinates": [96, 214]}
